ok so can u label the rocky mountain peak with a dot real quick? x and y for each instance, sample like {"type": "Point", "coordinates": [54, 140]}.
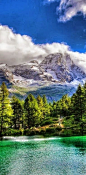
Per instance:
{"type": "Point", "coordinates": [61, 67]}
{"type": "Point", "coordinates": [52, 58]}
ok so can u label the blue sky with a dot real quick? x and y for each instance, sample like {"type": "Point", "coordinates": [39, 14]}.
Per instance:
{"type": "Point", "coordinates": [33, 29]}
{"type": "Point", "coordinates": [45, 23]}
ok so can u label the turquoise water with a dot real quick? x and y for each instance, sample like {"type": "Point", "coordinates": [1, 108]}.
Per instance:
{"type": "Point", "coordinates": [43, 156]}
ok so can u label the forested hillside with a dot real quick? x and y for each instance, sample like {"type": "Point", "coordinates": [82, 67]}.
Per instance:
{"type": "Point", "coordinates": [65, 117]}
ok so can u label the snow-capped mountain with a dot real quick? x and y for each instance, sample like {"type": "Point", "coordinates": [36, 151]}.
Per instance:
{"type": "Point", "coordinates": [55, 69]}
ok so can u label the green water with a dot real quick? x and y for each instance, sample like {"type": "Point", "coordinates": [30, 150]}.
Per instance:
{"type": "Point", "coordinates": [39, 156]}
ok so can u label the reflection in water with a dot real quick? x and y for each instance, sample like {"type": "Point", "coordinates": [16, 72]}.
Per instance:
{"type": "Point", "coordinates": [43, 156]}
{"type": "Point", "coordinates": [79, 142]}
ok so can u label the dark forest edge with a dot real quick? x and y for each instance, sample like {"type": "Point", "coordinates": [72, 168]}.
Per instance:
{"type": "Point", "coordinates": [35, 116]}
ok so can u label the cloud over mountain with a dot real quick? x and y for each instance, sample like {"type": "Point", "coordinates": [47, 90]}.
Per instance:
{"type": "Point", "coordinates": [16, 49]}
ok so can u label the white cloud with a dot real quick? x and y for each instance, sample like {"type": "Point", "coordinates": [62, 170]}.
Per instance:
{"type": "Point", "coordinates": [79, 59]}
{"type": "Point", "coordinates": [17, 49]}
{"type": "Point", "coordinates": [70, 8]}
{"type": "Point", "coordinates": [49, 1]}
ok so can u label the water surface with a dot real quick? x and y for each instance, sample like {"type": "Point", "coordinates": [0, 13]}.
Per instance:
{"type": "Point", "coordinates": [43, 156]}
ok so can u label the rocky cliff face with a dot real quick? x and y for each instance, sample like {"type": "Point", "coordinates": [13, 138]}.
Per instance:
{"type": "Point", "coordinates": [5, 74]}
{"type": "Point", "coordinates": [62, 68]}
{"type": "Point", "coordinates": [55, 68]}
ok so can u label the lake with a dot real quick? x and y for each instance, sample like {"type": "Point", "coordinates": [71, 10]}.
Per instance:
{"type": "Point", "coordinates": [43, 156]}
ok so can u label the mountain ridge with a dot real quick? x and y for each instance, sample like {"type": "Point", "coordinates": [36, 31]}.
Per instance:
{"type": "Point", "coordinates": [55, 69]}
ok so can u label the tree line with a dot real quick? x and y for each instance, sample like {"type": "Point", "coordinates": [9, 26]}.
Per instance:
{"type": "Point", "coordinates": [21, 115]}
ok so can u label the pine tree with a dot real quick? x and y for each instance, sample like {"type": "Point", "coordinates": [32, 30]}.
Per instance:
{"type": "Point", "coordinates": [5, 108]}
{"type": "Point", "coordinates": [78, 104]}
{"type": "Point", "coordinates": [78, 107]}
{"type": "Point", "coordinates": [46, 108]}
{"type": "Point", "coordinates": [17, 112]}
{"type": "Point", "coordinates": [84, 89]}
{"type": "Point", "coordinates": [32, 114]}
{"type": "Point", "coordinates": [63, 106]}
{"type": "Point", "coordinates": [41, 107]}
